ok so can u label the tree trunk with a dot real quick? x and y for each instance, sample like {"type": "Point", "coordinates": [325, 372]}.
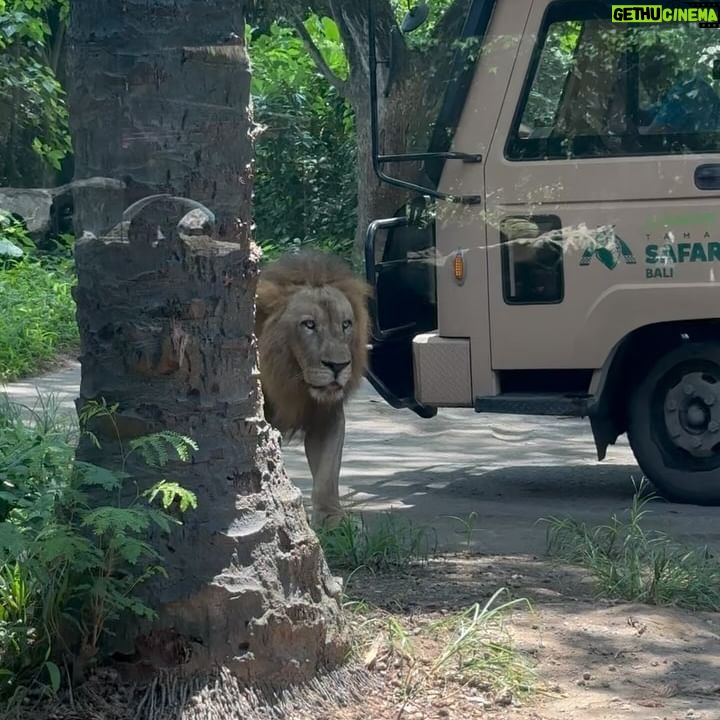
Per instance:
{"type": "Point", "coordinates": [166, 318]}
{"type": "Point", "coordinates": [397, 126]}
{"type": "Point", "coordinates": [159, 92]}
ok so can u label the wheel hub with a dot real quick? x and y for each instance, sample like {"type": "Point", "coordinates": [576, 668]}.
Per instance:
{"type": "Point", "coordinates": [692, 414]}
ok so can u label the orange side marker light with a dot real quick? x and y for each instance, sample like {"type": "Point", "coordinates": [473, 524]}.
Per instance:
{"type": "Point", "coordinates": [459, 267]}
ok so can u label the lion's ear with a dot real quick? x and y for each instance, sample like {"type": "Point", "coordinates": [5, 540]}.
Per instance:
{"type": "Point", "coordinates": [356, 288]}
{"type": "Point", "coordinates": [269, 299]}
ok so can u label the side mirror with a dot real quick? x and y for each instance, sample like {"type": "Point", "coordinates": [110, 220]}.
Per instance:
{"type": "Point", "coordinates": [415, 17]}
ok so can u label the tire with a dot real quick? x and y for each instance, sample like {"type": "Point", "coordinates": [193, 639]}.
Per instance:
{"type": "Point", "coordinates": [675, 407]}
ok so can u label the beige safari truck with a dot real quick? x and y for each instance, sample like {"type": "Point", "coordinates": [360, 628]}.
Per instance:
{"type": "Point", "coordinates": [561, 256]}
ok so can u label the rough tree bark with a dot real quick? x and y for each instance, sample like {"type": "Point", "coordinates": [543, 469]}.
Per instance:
{"type": "Point", "coordinates": [166, 314]}
{"type": "Point", "coordinates": [415, 88]}
{"type": "Point", "coordinates": [157, 90]}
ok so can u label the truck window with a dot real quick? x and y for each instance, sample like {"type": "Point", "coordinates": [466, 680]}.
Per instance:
{"type": "Point", "coordinates": [598, 89]}
{"type": "Point", "coordinates": [532, 260]}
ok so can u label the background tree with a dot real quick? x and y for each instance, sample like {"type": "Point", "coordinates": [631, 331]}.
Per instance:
{"type": "Point", "coordinates": [305, 185]}
{"type": "Point", "coordinates": [421, 68]}
{"type": "Point", "coordinates": [159, 97]}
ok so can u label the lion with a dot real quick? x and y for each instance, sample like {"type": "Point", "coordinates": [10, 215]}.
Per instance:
{"type": "Point", "coordinates": [312, 326]}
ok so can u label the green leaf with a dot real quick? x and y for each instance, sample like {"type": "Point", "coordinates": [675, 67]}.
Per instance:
{"type": "Point", "coordinates": [154, 448]}
{"type": "Point", "coordinates": [12, 542]}
{"type": "Point", "coordinates": [131, 549]}
{"type": "Point", "coordinates": [330, 28]}
{"type": "Point", "coordinates": [54, 673]}
{"type": "Point", "coordinates": [94, 475]}
{"type": "Point", "coordinates": [111, 519]}
{"type": "Point", "coordinates": [171, 491]}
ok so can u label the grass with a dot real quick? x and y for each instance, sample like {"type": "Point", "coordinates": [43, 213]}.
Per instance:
{"type": "Point", "coordinates": [466, 649]}
{"type": "Point", "coordinates": [37, 315]}
{"type": "Point", "coordinates": [391, 543]}
{"type": "Point", "coordinates": [442, 653]}
{"type": "Point", "coordinates": [630, 562]}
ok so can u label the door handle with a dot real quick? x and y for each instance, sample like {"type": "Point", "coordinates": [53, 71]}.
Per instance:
{"type": "Point", "coordinates": [707, 177]}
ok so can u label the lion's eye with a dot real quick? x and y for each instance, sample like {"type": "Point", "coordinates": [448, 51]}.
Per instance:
{"type": "Point", "coordinates": [347, 324]}
{"type": "Point", "coordinates": [309, 324]}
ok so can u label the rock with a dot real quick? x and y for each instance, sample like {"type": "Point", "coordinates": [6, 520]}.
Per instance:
{"type": "Point", "coordinates": [8, 249]}
{"type": "Point", "coordinates": [45, 211]}
{"type": "Point", "coordinates": [34, 206]}
{"type": "Point", "coordinates": [197, 222]}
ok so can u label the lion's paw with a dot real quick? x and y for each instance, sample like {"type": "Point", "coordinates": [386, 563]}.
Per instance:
{"type": "Point", "coordinates": [328, 520]}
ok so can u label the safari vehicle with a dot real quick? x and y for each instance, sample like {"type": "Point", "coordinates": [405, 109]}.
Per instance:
{"type": "Point", "coordinates": [562, 255]}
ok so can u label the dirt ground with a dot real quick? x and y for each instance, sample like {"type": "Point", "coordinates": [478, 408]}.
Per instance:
{"type": "Point", "coordinates": [594, 659]}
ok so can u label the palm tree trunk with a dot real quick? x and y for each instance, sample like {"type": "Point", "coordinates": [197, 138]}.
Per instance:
{"type": "Point", "coordinates": [166, 320]}
{"type": "Point", "coordinates": [159, 92]}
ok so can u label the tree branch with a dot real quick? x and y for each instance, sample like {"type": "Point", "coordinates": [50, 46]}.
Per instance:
{"type": "Point", "coordinates": [452, 20]}
{"type": "Point", "coordinates": [315, 54]}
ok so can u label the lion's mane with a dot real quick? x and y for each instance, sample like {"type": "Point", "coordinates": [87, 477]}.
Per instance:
{"type": "Point", "coordinates": [288, 404]}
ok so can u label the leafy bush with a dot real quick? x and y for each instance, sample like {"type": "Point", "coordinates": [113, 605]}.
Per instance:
{"type": "Point", "coordinates": [68, 567]}
{"type": "Point", "coordinates": [305, 183]}
{"type": "Point", "coordinates": [37, 310]}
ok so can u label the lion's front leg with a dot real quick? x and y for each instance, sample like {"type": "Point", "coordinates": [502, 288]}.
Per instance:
{"type": "Point", "coordinates": [323, 450]}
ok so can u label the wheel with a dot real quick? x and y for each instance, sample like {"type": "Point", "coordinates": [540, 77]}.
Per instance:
{"type": "Point", "coordinates": [674, 424]}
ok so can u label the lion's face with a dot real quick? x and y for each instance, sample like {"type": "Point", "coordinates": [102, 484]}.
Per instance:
{"type": "Point", "coordinates": [319, 326]}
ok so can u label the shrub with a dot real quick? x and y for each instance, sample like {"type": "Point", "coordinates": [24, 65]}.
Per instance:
{"type": "Point", "coordinates": [37, 311]}
{"type": "Point", "coordinates": [69, 567]}
{"type": "Point", "coordinates": [305, 183]}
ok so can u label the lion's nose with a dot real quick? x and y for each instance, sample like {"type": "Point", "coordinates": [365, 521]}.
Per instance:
{"type": "Point", "coordinates": [336, 367]}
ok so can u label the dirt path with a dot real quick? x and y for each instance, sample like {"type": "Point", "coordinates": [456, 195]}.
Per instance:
{"type": "Point", "coordinates": [510, 470]}
{"type": "Point", "coordinates": [606, 661]}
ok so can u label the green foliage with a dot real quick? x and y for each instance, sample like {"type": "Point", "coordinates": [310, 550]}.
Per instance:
{"type": "Point", "coordinates": [305, 183]}
{"type": "Point", "coordinates": [37, 310]}
{"type": "Point", "coordinates": [554, 65]}
{"type": "Point", "coordinates": [392, 543]}
{"type": "Point", "coordinates": [13, 235]}
{"type": "Point", "coordinates": [70, 568]}
{"type": "Point", "coordinates": [636, 564]}
{"type": "Point", "coordinates": [33, 99]}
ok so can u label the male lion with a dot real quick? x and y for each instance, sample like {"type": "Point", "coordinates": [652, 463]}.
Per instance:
{"type": "Point", "coordinates": [312, 329]}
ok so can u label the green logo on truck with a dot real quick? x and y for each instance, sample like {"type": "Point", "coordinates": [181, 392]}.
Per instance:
{"type": "Point", "coordinates": [609, 249]}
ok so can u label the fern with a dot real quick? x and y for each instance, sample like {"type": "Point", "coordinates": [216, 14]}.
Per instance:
{"type": "Point", "coordinates": [131, 550]}
{"type": "Point", "coordinates": [154, 448]}
{"type": "Point", "coordinates": [89, 475]}
{"type": "Point", "coordinates": [113, 520]}
{"type": "Point", "coordinates": [171, 491]}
